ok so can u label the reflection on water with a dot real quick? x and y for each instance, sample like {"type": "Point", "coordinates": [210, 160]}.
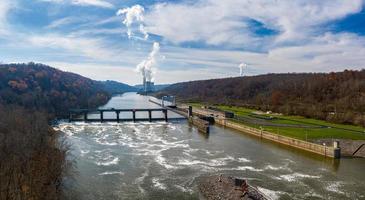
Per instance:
{"type": "Point", "coordinates": [165, 160]}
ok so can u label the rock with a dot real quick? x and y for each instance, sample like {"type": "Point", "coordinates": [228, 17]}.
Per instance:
{"type": "Point", "coordinates": [223, 187]}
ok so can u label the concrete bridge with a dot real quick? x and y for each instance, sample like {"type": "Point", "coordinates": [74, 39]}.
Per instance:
{"type": "Point", "coordinates": [82, 115]}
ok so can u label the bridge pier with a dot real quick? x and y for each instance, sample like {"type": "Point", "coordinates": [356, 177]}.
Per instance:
{"type": "Point", "coordinates": [102, 116]}
{"type": "Point", "coordinates": [117, 113]}
{"type": "Point", "coordinates": [165, 112]}
{"type": "Point", "coordinates": [190, 111]}
{"type": "Point", "coordinates": [70, 117]}
{"type": "Point", "coordinates": [85, 116]}
{"type": "Point", "coordinates": [134, 116]}
{"type": "Point", "coordinates": [150, 116]}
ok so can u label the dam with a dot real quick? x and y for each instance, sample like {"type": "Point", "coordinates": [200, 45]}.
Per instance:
{"type": "Point", "coordinates": [166, 160]}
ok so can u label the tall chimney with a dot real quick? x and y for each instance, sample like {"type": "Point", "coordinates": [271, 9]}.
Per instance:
{"type": "Point", "coordinates": [144, 84]}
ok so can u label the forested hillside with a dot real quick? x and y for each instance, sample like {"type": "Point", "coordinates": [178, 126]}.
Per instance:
{"type": "Point", "coordinates": [115, 87]}
{"type": "Point", "coordinates": [337, 97]}
{"type": "Point", "coordinates": [40, 87]}
{"type": "Point", "coordinates": [33, 158]}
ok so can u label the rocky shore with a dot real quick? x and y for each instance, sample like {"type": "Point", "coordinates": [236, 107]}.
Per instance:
{"type": "Point", "coordinates": [225, 187]}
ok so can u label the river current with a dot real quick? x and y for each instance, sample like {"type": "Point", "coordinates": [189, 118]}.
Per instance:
{"type": "Point", "coordinates": [165, 161]}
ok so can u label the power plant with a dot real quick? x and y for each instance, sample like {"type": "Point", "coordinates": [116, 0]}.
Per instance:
{"type": "Point", "coordinates": [147, 87]}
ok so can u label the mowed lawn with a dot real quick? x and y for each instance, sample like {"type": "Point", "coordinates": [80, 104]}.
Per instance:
{"type": "Point", "coordinates": [307, 129]}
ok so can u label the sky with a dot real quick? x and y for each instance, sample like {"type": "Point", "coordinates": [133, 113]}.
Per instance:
{"type": "Point", "coordinates": [198, 39]}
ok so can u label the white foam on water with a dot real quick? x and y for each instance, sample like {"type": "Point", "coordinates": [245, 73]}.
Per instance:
{"type": "Point", "coordinates": [162, 161]}
{"type": "Point", "coordinates": [107, 163]}
{"type": "Point", "coordinates": [335, 187]}
{"type": "Point", "coordinates": [184, 189]}
{"type": "Point", "coordinates": [312, 194]}
{"type": "Point", "coordinates": [221, 161]}
{"type": "Point", "coordinates": [139, 180]}
{"type": "Point", "coordinates": [205, 162]}
{"type": "Point", "coordinates": [243, 160]}
{"type": "Point", "coordinates": [249, 168]}
{"type": "Point", "coordinates": [289, 160]}
{"type": "Point", "coordinates": [212, 153]}
{"type": "Point", "coordinates": [271, 194]}
{"type": "Point", "coordinates": [295, 176]}
{"type": "Point", "coordinates": [111, 173]}
{"type": "Point", "coordinates": [274, 168]}
{"type": "Point", "coordinates": [83, 152]}
{"type": "Point", "coordinates": [156, 183]}
{"type": "Point", "coordinates": [103, 141]}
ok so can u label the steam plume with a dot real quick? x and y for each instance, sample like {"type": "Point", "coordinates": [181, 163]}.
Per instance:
{"type": "Point", "coordinates": [133, 15]}
{"type": "Point", "coordinates": [147, 67]}
{"type": "Point", "coordinates": [242, 66]}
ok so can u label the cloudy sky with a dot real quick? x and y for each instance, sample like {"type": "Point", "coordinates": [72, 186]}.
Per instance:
{"type": "Point", "coordinates": [199, 39]}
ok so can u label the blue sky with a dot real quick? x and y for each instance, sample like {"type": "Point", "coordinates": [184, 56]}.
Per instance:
{"type": "Point", "coordinates": [200, 39]}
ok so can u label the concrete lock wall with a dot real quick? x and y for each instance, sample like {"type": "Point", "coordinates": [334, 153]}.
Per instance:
{"type": "Point", "coordinates": [202, 125]}
{"type": "Point", "coordinates": [300, 144]}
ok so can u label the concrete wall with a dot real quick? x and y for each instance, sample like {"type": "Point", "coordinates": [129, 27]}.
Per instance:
{"type": "Point", "coordinates": [300, 144]}
{"type": "Point", "coordinates": [202, 125]}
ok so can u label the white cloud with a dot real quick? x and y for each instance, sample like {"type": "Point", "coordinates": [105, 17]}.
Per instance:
{"type": "Point", "coordinates": [87, 47]}
{"type": "Point", "coordinates": [331, 52]}
{"type": "Point", "coordinates": [98, 3]}
{"type": "Point", "coordinates": [63, 21]}
{"type": "Point", "coordinates": [133, 15]}
{"type": "Point", "coordinates": [99, 71]}
{"type": "Point", "coordinates": [219, 22]}
{"type": "Point", "coordinates": [5, 7]}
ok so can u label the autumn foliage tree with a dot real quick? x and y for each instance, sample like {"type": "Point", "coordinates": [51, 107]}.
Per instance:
{"type": "Point", "coordinates": [33, 159]}
{"type": "Point", "coordinates": [337, 96]}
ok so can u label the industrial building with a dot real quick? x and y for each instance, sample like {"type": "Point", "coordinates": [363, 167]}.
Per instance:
{"type": "Point", "coordinates": [148, 86]}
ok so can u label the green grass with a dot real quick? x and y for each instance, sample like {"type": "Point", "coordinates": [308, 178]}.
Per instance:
{"type": "Point", "coordinates": [329, 130]}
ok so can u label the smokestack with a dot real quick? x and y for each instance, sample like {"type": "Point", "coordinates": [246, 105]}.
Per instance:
{"type": "Point", "coordinates": [242, 66]}
{"type": "Point", "coordinates": [144, 84]}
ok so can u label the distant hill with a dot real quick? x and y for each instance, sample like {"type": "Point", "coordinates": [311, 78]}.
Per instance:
{"type": "Point", "coordinates": [40, 87]}
{"type": "Point", "coordinates": [338, 97]}
{"type": "Point", "coordinates": [157, 87]}
{"type": "Point", "coordinates": [115, 87]}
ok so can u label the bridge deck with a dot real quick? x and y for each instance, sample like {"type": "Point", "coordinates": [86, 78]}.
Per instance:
{"type": "Point", "coordinates": [127, 120]}
{"type": "Point", "coordinates": [82, 115]}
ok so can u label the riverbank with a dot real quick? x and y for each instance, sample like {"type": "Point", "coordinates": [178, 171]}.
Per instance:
{"type": "Point", "coordinates": [327, 151]}
{"type": "Point", "coordinates": [298, 127]}
{"type": "Point", "coordinates": [308, 134]}
{"type": "Point", "coordinates": [33, 158]}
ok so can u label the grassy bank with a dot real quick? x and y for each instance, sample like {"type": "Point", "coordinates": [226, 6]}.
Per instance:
{"type": "Point", "coordinates": [293, 126]}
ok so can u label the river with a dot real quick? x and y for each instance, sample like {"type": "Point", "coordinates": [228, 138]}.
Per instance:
{"type": "Point", "coordinates": [165, 161]}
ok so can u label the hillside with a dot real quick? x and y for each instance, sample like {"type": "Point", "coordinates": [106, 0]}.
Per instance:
{"type": "Point", "coordinates": [157, 87]}
{"type": "Point", "coordinates": [337, 97]}
{"type": "Point", "coordinates": [33, 156]}
{"type": "Point", "coordinates": [115, 87]}
{"type": "Point", "coordinates": [40, 87]}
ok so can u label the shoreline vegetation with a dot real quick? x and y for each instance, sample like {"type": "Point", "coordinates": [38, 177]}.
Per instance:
{"type": "Point", "coordinates": [336, 97]}
{"type": "Point", "coordinates": [298, 127]}
{"type": "Point", "coordinates": [34, 162]}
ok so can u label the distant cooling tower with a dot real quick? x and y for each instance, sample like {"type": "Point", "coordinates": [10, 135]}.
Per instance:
{"type": "Point", "coordinates": [149, 86]}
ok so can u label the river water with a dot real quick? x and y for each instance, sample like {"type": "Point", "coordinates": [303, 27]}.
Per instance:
{"type": "Point", "coordinates": [165, 161]}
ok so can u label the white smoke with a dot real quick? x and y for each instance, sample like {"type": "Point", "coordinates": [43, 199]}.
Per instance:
{"type": "Point", "coordinates": [133, 15]}
{"type": "Point", "coordinates": [148, 67]}
{"type": "Point", "coordinates": [242, 66]}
